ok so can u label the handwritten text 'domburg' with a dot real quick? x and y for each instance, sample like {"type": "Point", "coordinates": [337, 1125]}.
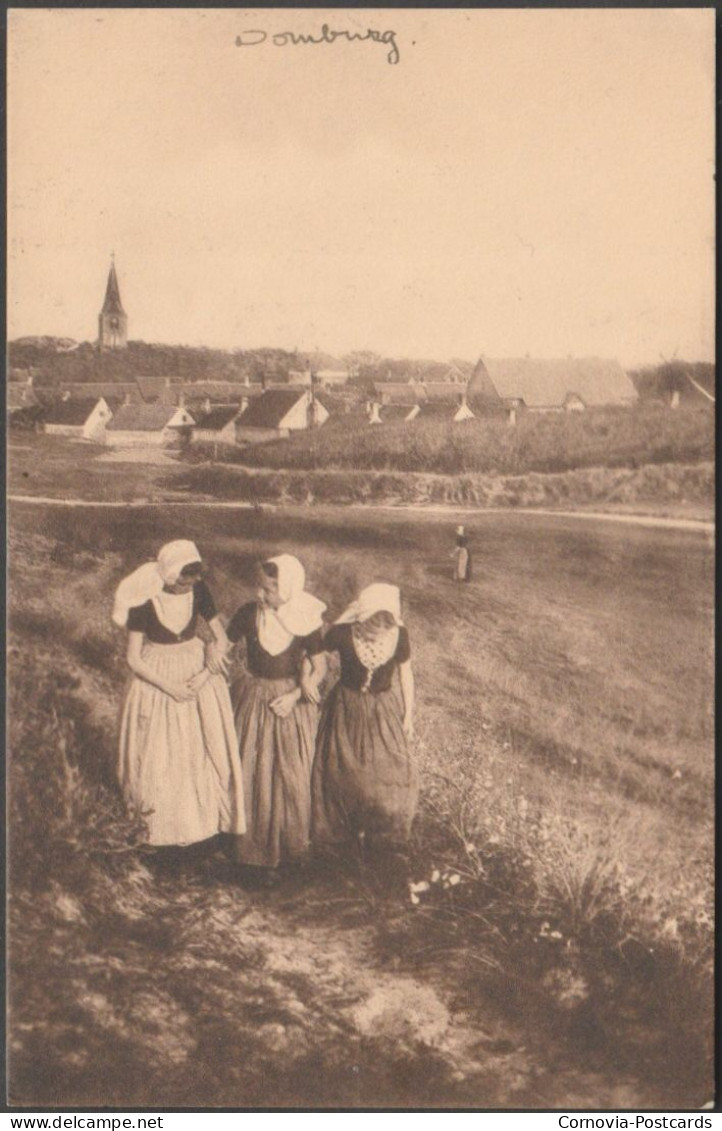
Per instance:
{"type": "Point", "coordinates": [293, 39]}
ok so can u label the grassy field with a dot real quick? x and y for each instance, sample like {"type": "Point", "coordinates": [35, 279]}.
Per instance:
{"type": "Point", "coordinates": [56, 467]}
{"type": "Point", "coordinates": [647, 434]}
{"type": "Point", "coordinates": [565, 737]}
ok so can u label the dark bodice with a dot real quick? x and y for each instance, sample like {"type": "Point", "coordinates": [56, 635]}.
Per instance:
{"type": "Point", "coordinates": [144, 618]}
{"type": "Point", "coordinates": [287, 665]}
{"type": "Point", "coordinates": [353, 674]}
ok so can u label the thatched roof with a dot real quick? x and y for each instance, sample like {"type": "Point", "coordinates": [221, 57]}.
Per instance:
{"type": "Point", "coordinates": [74, 413]}
{"type": "Point", "coordinates": [546, 383]}
{"type": "Point", "coordinates": [217, 419]}
{"type": "Point", "coordinates": [112, 390]}
{"type": "Point", "coordinates": [142, 418]}
{"type": "Point", "coordinates": [268, 410]}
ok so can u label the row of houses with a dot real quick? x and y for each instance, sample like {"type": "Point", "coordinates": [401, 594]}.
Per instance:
{"type": "Point", "coordinates": [272, 415]}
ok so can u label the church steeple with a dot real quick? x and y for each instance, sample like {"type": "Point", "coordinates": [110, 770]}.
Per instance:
{"type": "Point", "coordinates": [112, 321]}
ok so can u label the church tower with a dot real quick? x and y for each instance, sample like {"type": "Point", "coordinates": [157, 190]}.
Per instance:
{"type": "Point", "coordinates": [112, 321]}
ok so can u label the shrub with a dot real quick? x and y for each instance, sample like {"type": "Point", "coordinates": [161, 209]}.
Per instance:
{"type": "Point", "coordinates": [541, 906]}
{"type": "Point", "coordinates": [64, 812]}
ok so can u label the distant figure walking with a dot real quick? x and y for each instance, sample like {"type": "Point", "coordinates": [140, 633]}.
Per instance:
{"type": "Point", "coordinates": [276, 725]}
{"type": "Point", "coordinates": [364, 779]}
{"type": "Point", "coordinates": [462, 556]}
{"type": "Point", "coordinates": [179, 761]}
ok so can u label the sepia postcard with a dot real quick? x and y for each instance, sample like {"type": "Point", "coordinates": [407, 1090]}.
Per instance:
{"type": "Point", "coordinates": [361, 458]}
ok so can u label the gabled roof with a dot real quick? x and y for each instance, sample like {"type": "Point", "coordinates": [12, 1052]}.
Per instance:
{"type": "Point", "coordinates": [546, 382]}
{"type": "Point", "coordinates": [142, 417]}
{"type": "Point", "coordinates": [268, 410]}
{"type": "Point", "coordinates": [70, 412]}
{"type": "Point", "coordinates": [112, 304]}
{"type": "Point", "coordinates": [334, 404]}
{"type": "Point", "coordinates": [217, 418]}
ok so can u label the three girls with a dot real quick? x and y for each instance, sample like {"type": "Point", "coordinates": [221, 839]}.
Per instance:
{"type": "Point", "coordinates": [262, 766]}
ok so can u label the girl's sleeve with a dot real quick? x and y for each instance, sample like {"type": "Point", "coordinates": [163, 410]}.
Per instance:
{"type": "Point", "coordinates": [403, 648]}
{"type": "Point", "coordinates": [137, 619]}
{"type": "Point", "coordinates": [313, 643]}
{"type": "Point", "coordinates": [205, 605]}
{"type": "Point", "coordinates": [241, 623]}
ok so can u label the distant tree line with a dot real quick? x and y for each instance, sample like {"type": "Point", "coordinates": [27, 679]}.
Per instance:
{"type": "Point", "coordinates": [56, 361]}
{"type": "Point", "coordinates": [659, 382]}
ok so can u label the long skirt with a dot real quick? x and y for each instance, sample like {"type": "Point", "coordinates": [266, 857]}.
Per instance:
{"type": "Point", "coordinates": [462, 570]}
{"type": "Point", "coordinates": [179, 762]}
{"type": "Point", "coordinates": [277, 757]}
{"type": "Point", "coordinates": [364, 778]}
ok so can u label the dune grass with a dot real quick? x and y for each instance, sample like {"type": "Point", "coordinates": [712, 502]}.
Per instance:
{"type": "Point", "coordinates": [554, 442]}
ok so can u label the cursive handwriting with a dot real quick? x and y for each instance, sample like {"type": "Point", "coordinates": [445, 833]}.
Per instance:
{"type": "Point", "coordinates": [292, 39]}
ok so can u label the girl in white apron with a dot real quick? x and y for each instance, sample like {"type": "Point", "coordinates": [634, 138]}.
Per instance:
{"type": "Point", "coordinates": [178, 763]}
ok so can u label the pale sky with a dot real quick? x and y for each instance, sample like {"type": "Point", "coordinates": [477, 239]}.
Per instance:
{"type": "Point", "coordinates": [521, 181]}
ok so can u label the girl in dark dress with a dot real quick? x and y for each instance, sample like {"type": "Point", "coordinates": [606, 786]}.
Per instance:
{"type": "Point", "coordinates": [275, 724]}
{"type": "Point", "coordinates": [365, 778]}
{"type": "Point", "coordinates": [178, 762]}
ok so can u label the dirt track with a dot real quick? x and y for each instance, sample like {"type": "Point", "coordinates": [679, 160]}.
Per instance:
{"type": "Point", "coordinates": [659, 522]}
